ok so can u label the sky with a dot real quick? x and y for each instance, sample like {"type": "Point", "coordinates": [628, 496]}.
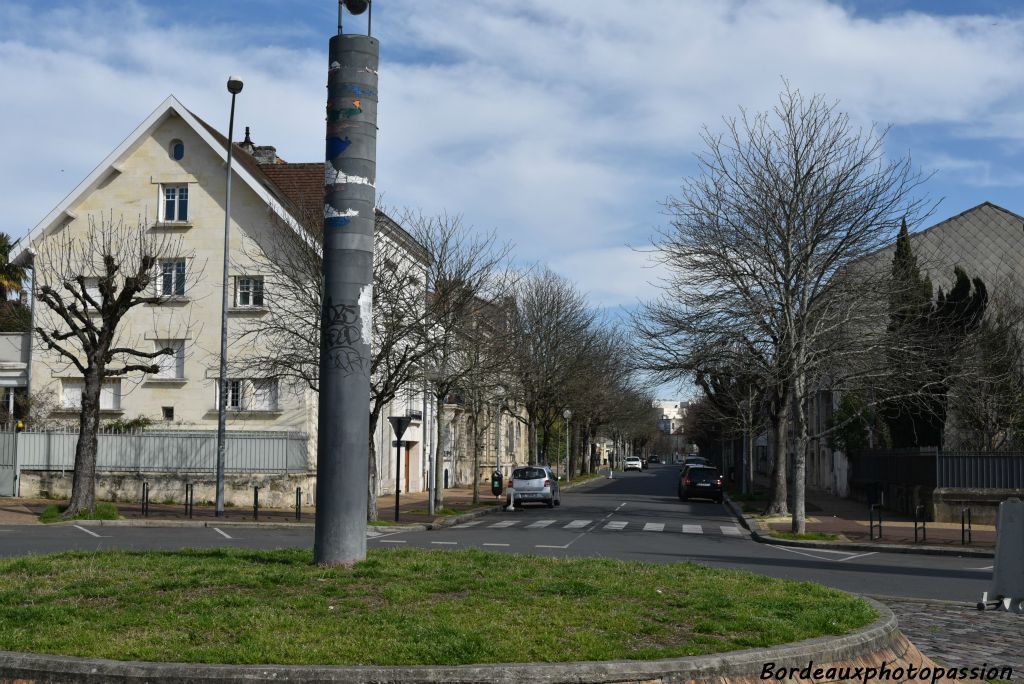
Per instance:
{"type": "Point", "coordinates": [561, 125]}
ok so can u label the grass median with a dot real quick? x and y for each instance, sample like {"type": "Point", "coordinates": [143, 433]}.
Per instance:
{"type": "Point", "coordinates": [399, 607]}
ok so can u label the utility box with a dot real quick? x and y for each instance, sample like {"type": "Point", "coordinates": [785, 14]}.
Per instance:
{"type": "Point", "coordinates": [1008, 571]}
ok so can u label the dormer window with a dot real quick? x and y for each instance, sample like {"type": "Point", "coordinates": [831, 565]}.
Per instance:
{"type": "Point", "coordinates": [175, 204]}
{"type": "Point", "coordinates": [176, 150]}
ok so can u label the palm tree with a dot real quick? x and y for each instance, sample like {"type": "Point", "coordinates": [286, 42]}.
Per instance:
{"type": "Point", "coordinates": [11, 277]}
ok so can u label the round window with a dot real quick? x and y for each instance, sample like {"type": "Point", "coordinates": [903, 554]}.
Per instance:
{"type": "Point", "coordinates": [177, 150]}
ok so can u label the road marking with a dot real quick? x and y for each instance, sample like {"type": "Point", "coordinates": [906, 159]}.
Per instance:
{"type": "Point", "coordinates": [467, 524]}
{"type": "Point", "coordinates": [222, 533]}
{"type": "Point", "coordinates": [616, 525]}
{"type": "Point", "coordinates": [495, 544]}
{"type": "Point", "coordinates": [540, 523]}
{"type": "Point", "coordinates": [446, 543]}
{"type": "Point", "coordinates": [809, 555]}
{"type": "Point", "coordinates": [87, 531]}
{"type": "Point", "coordinates": [860, 555]}
{"type": "Point", "coordinates": [548, 546]}
{"type": "Point", "coordinates": [730, 530]}
{"type": "Point", "coordinates": [620, 505]}
{"type": "Point", "coordinates": [693, 529]}
{"type": "Point", "coordinates": [654, 527]}
{"type": "Point", "coordinates": [987, 567]}
{"type": "Point", "coordinates": [576, 524]}
{"type": "Point", "coordinates": [392, 541]}
{"type": "Point", "coordinates": [505, 523]}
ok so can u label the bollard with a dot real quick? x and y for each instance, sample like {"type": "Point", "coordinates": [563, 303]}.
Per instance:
{"type": "Point", "coordinates": [256, 503]}
{"type": "Point", "coordinates": [1007, 588]}
{"type": "Point", "coordinates": [874, 511]}
{"type": "Point", "coordinates": [189, 498]}
{"type": "Point", "coordinates": [298, 503]}
{"type": "Point", "coordinates": [511, 499]}
{"type": "Point", "coordinates": [965, 526]}
{"type": "Point", "coordinates": [145, 498]}
{"type": "Point", "coordinates": [920, 516]}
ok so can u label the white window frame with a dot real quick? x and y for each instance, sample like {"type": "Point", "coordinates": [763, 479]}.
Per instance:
{"type": "Point", "coordinates": [71, 399]}
{"type": "Point", "coordinates": [171, 198]}
{"type": "Point", "coordinates": [171, 367]}
{"type": "Point", "coordinates": [179, 278]}
{"type": "Point", "coordinates": [250, 288]}
{"type": "Point", "coordinates": [264, 395]}
{"type": "Point", "coordinates": [92, 288]}
{"type": "Point", "coordinates": [235, 397]}
{"type": "Point", "coordinates": [110, 394]}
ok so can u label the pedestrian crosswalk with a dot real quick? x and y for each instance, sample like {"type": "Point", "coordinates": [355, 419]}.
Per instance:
{"type": "Point", "coordinates": [605, 525]}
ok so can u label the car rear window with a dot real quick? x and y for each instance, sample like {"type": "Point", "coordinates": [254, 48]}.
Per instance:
{"type": "Point", "coordinates": [528, 474]}
{"type": "Point", "coordinates": [702, 474]}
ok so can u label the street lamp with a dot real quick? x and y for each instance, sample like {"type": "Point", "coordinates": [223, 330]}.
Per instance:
{"type": "Point", "coordinates": [567, 414]}
{"type": "Point", "coordinates": [234, 87]}
{"type": "Point", "coordinates": [398, 426]}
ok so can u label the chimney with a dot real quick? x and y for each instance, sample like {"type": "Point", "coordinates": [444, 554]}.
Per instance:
{"type": "Point", "coordinates": [265, 154]}
{"type": "Point", "coordinates": [247, 143]}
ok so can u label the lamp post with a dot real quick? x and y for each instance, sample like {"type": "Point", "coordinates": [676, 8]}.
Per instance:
{"type": "Point", "coordinates": [234, 87]}
{"type": "Point", "coordinates": [398, 426]}
{"type": "Point", "coordinates": [567, 414]}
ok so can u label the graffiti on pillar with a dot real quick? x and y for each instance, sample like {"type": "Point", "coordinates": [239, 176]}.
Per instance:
{"type": "Point", "coordinates": [336, 146]}
{"type": "Point", "coordinates": [343, 333]}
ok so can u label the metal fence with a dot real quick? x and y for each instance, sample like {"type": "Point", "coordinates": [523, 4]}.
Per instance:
{"type": "Point", "coordinates": [980, 469]}
{"type": "Point", "coordinates": [167, 451]}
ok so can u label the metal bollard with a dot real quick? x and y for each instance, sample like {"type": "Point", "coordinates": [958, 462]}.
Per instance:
{"type": "Point", "coordinates": [874, 511]}
{"type": "Point", "coordinates": [298, 503]}
{"type": "Point", "coordinates": [919, 516]}
{"type": "Point", "coordinates": [256, 503]}
{"type": "Point", "coordinates": [190, 499]}
{"type": "Point", "coordinates": [965, 526]}
{"type": "Point", "coordinates": [145, 498]}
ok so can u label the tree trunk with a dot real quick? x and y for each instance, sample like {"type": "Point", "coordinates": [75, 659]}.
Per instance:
{"type": "Point", "coordinates": [371, 482]}
{"type": "Point", "coordinates": [531, 435]}
{"type": "Point", "coordinates": [438, 457]}
{"type": "Point", "coordinates": [476, 458]}
{"type": "Point", "coordinates": [779, 504]}
{"type": "Point", "coordinates": [83, 489]}
{"type": "Point", "coordinates": [799, 525]}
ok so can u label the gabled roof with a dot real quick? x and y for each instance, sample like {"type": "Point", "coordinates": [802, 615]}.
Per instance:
{"type": "Point", "coordinates": [247, 170]}
{"type": "Point", "coordinates": [295, 192]}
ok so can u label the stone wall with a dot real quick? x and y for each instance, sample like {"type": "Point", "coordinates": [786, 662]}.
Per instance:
{"type": "Point", "coordinates": [948, 502]}
{"type": "Point", "coordinates": [276, 491]}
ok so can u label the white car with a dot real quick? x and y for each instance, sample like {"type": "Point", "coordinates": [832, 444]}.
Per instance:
{"type": "Point", "coordinates": [633, 463]}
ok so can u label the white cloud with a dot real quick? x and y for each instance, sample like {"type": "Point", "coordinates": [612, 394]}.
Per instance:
{"type": "Point", "coordinates": [560, 124]}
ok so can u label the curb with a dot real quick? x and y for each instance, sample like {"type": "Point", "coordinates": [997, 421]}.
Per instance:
{"type": "Point", "coordinates": [758, 534]}
{"type": "Point", "coordinates": [880, 637]}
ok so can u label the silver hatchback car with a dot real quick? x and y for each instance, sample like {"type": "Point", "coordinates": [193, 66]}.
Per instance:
{"type": "Point", "coordinates": [535, 484]}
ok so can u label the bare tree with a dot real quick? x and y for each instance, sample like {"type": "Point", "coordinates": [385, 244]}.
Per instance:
{"type": "Point", "coordinates": [286, 340]}
{"type": "Point", "coordinates": [785, 202]}
{"type": "Point", "coordinates": [552, 330]}
{"type": "Point", "coordinates": [467, 282]}
{"type": "Point", "coordinates": [89, 284]}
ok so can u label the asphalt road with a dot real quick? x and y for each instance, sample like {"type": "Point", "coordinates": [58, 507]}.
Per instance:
{"type": "Point", "coordinates": [633, 516]}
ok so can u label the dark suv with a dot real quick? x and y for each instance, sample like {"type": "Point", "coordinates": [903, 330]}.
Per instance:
{"type": "Point", "coordinates": [700, 482]}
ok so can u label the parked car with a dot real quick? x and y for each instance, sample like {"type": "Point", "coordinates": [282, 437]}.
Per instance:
{"type": "Point", "coordinates": [693, 459]}
{"type": "Point", "coordinates": [535, 484]}
{"type": "Point", "coordinates": [633, 463]}
{"type": "Point", "coordinates": [700, 482]}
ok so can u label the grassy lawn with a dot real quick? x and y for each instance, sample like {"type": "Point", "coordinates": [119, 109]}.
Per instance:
{"type": "Point", "coordinates": [399, 606]}
{"type": "Point", "coordinates": [104, 511]}
{"type": "Point", "coordinates": [809, 536]}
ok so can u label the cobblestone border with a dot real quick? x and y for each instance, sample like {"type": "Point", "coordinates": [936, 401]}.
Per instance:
{"type": "Point", "coordinates": [880, 641]}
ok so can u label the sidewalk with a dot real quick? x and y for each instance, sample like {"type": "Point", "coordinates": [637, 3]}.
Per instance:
{"type": "Point", "coordinates": [848, 520]}
{"type": "Point", "coordinates": [412, 510]}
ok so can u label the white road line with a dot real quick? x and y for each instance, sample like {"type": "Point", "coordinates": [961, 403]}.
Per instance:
{"type": "Point", "coordinates": [471, 523]}
{"type": "Point", "coordinates": [616, 525]}
{"type": "Point", "coordinates": [495, 544]}
{"type": "Point", "coordinates": [540, 523]}
{"type": "Point", "coordinates": [446, 543]}
{"type": "Point", "coordinates": [987, 567]}
{"type": "Point", "coordinates": [730, 530]}
{"type": "Point", "coordinates": [548, 546]}
{"type": "Point", "coordinates": [222, 533]}
{"type": "Point", "coordinates": [576, 524]}
{"type": "Point", "coordinates": [809, 555]}
{"type": "Point", "coordinates": [859, 555]}
{"type": "Point", "coordinates": [392, 541]}
{"type": "Point", "coordinates": [620, 505]}
{"type": "Point", "coordinates": [86, 531]}
{"type": "Point", "coordinates": [654, 527]}
{"type": "Point", "coordinates": [693, 529]}
{"type": "Point", "coordinates": [505, 523]}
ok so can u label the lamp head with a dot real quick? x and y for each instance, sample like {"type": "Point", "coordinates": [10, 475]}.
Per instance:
{"type": "Point", "coordinates": [355, 6]}
{"type": "Point", "coordinates": [234, 85]}
{"type": "Point", "coordinates": [567, 414]}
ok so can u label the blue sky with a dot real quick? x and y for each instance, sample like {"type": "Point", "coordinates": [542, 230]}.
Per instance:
{"type": "Point", "coordinates": [560, 124]}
